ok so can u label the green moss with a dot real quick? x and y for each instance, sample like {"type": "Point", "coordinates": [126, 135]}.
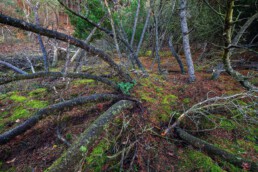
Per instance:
{"type": "Point", "coordinates": [196, 161]}
{"type": "Point", "coordinates": [20, 112]}
{"type": "Point", "coordinates": [3, 96]}
{"type": "Point", "coordinates": [18, 98]}
{"type": "Point", "coordinates": [145, 97]}
{"type": "Point", "coordinates": [169, 99]}
{"type": "Point", "coordinates": [164, 117]}
{"type": "Point", "coordinates": [227, 124]}
{"type": "Point", "coordinates": [97, 157]}
{"type": "Point", "coordinates": [38, 92]}
{"type": "Point", "coordinates": [186, 100]}
{"type": "Point", "coordinates": [83, 81]}
{"type": "Point", "coordinates": [36, 104]}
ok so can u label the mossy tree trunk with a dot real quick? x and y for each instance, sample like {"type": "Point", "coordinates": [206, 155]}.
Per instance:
{"type": "Point", "coordinates": [70, 159]}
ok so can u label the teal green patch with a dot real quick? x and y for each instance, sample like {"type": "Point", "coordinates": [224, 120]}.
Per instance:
{"type": "Point", "coordinates": [18, 98]}
{"type": "Point", "coordinates": [36, 104]}
{"type": "Point", "coordinates": [125, 87]}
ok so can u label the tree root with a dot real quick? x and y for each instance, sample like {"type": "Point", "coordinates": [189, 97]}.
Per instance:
{"type": "Point", "coordinates": [7, 136]}
{"type": "Point", "coordinates": [57, 75]}
{"type": "Point", "coordinates": [74, 155]}
{"type": "Point", "coordinates": [215, 151]}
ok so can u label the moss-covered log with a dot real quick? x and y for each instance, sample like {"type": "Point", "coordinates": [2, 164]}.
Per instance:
{"type": "Point", "coordinates": [66, 38]}
{"type": "Point", "coordinates": [52, 109]}
{"type": "Point", "coordinates": [215, 151]}
{"type": "Point", "coordinates": [70, 159]}
{"type": "Point", "coordinates": [8, 79]}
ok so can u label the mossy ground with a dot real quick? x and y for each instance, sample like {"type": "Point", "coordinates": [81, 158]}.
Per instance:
{"type": "Point", "coordinates": [163, 99]}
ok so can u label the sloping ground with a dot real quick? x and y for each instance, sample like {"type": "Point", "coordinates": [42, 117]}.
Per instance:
{"type": "Point", "coordinates": [133, 140]}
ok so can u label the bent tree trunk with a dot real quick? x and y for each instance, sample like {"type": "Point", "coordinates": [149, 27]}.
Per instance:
{"type": "Point", "coordinates": [214, 151]}
{"type": "Point", "coordinates": [20, 129]}
{"type": "Point", "coordinates": [227, 49]}
{"type": "Point", "coordinates": [66, 38]}
{"type": "Point", "coordinates": [186, 44]}
{"type": "Point", "coordinates": [69, 160]}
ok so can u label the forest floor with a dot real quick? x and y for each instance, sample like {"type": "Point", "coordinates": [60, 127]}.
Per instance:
{"type": "Point", "coordinates": [133, 140]}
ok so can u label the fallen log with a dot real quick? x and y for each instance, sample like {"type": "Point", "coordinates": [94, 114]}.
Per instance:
{"type": "Point", "coordinates": [20, 129]}
{"type": "Point", "coordinates": [6, 80]}
{"type": "Point", "coordinates": [71, 158]}
{"type": "Point", "coordinates": [14, 68]}
{"type": "Point", "coordinates": [215, 151]}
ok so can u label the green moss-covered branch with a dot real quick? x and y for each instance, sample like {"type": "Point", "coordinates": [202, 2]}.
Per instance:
{"type": "Point", "coordinates": [215, 151]}
{"type": "Point", "coordinates": [68, 161]}
{"type": "Point", "coordinates": [52, 109]}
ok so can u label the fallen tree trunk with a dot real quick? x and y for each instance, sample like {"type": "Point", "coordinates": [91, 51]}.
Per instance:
{"type": "Point", "coordinates": [215, 151]}
{"type": "Point", "coordinates": [14, 68]}
{"type": "Point", "coordinates": [68, 161]}
{"type": "Point", "coordinates": [66, 38]}
{"type": "Point", "coordinates": [57, 75]}
{"type": "Point", "coordinates": [7, 136]}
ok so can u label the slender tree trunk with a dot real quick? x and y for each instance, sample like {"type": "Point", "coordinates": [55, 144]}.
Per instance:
{"type": "Point", "coordinates": [157, 57]}
{"type": "Point", "coordinates": [186, 44]}
{"type": "Point", "coordinates": [41, 44]}
{"type": "Point", "coordinates": [173, 51]}
{"type": "Point", "coordinates": [143, 31]}
{"type": "Point", "coordinates": [14, 68]}
{"type": "Point", "coordinates": [113, 30]}
{"type": "Point", "coordinates": [135, 22]}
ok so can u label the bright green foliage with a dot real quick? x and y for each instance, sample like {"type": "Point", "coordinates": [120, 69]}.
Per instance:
{"type": "Point", "coordinates": [83, 81]}
{"type": "Point", "coordinates": [125, 87]}
{"type": "Point", "coordinates": [227, 124]}
{"type": "Point", "coordinates": [169, 99]}
{"type": "Point", "coordinates": [93, 11]}
{"type": "Point", "coordinates": [83, 149]}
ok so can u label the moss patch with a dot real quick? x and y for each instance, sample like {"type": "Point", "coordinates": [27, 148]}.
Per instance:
{"type": "Point", "coordinates": [38, 92]}
{"type": "Point", "coordinates": [18, 98]}
{"type": "Point", "coordinates": [196, 161]}
{"type": "Point", "coordinates": [36, 104]}
{"type": "Point", "coordinates": [20, 112]}
{"type": "Point", "coordinates": [83, 81]}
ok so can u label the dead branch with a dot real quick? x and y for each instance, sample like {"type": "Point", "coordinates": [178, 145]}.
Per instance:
{"type": "Point", "coordinates": [73, 155]}
{"type": "Point", "coordinates": [215, 151]}
{"type": "Point", "coordinates": [14, 68]}
{"type": "Point", "coordinates": [52, 109]}
{"type": "Point", "coordinates": [57, 75]}
{"type": "Point", "coordinates": [66, 38]}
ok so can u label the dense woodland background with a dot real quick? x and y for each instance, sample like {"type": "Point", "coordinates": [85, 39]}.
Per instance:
{"type": "Point", "coordinates": [128, 85]}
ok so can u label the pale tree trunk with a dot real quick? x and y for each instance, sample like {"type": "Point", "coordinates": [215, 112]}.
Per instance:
{"type": "Point", "coordinates": [157, 57]}
{"type": "Point", "coordinates": [135, 21]}
{"type": "Point", "coordinates": [186, 44]}
{"type": "Point", "coordinates": [41, 44]}
{"type": "Point", "coordinates": [143, 31]}
{"type": "Point", "coordinates": [114, 30]}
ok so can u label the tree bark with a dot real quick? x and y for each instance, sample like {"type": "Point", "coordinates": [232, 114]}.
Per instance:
{"type": "Point", "coordinates": [52, 109]}
{"type": "Point", "coordinates": [215, 151]}
{"type": "Point", "coordinates": [186, 44]}
{"type": "Point", "coordinates": [69, 160]}
{"type": "Point", "coordinates": [66, 38]}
